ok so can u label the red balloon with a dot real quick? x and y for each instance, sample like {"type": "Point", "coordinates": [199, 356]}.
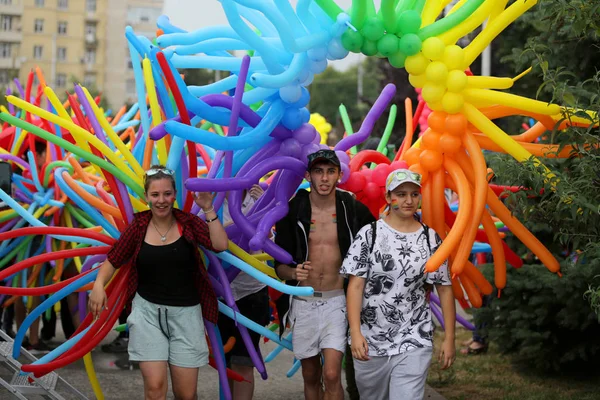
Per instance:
{"type": "Point", "coordinates": [355, 183]}
{"type": "Point", "coordinates": [380, 174]}
{"type": "Point", "coordinates": [398, 165]}
{"type": "Point", "coordinates": [372, 190]}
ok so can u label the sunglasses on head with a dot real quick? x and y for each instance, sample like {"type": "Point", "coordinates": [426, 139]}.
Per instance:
{"type": "Point", "coordinates": [154, 171]}
{"type": "Point", "coordinates": [402, 175]}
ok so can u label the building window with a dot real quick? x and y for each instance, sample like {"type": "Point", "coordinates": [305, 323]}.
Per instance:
{"type": "Point", "coordinates": [63, 4]}
{"type": "Point", "coordinates": [89, 80]}
{"type": "Point", "coordinates": [38, 26]}
{"type": "Point", "coordinates": [37, 52]}
{"type": "Point", "coordinates": [4, 77]}
{"type": "Point", "coordinates": [61, 54]}
{"type": "Point", "coordinates": [5, 49]}
{"type": "Point", "coordinates": [6, 2]}
{"type": "Point", "coordinates": [90, 5]}
{"type": "Point", "coordinates": [90, 29]}
{"type": "Point", "coordinates": [39, 3]}
{"type": "Point", "coordinates": [90, 56]}
{"type": "Point", "coordinates": [62, 27]}
{"type": "Point", "coordinates": [61, 80]}
{"type": "Point", "coordinates": [6, 22]}
{"type": "Point", "coordinates": [129, 63]}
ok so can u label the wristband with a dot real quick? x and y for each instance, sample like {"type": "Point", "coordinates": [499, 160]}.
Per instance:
{"type": "Point", "coordinates": [212, 208]}
{"type": "Point", "coordinates": [208, 221]}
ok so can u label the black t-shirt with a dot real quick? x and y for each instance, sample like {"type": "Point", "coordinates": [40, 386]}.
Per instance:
{"type": "Point", "coordinates": [166, 274]}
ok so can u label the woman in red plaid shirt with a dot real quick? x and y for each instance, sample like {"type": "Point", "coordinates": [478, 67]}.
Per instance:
{"type": "Point", "coordinates": [169, 285]}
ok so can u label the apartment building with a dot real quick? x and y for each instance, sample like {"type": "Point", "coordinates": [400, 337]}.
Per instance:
{"type": "Point", "coordinates": [74, 40]}
{"type": "Point", "coordinates": [11, 36]}
{"type": "Point", "coordinates": [141, 15]}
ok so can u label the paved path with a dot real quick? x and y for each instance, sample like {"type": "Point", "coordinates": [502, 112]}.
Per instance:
{"type": "Point", "coordinates": [119, 384]}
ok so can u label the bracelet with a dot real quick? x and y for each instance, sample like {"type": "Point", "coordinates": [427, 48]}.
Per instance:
{"type": "Point", "coordinates": [208, 221]}
{"type": "Point", "coordinates": [212, 208]}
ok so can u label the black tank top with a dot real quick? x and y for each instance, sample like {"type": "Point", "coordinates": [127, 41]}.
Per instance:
{"type": "Point", "coordinates": [166, 274]}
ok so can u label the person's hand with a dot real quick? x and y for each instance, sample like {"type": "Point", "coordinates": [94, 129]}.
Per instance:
{"type": "Point", "coordinates": [360, 347]}
{"type": "Point", "coordinates": [256, 191]}
{"type": "Point", "coordinates": [97, 301]}
{"type": "Point", "coordinates": [204, 200]}
{"type": "Point", "coordinates": [302, 271]}
{"type": "Point", "coordinates": [447, 354]}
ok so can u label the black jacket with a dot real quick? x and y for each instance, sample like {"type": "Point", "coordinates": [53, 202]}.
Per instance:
{"type": "Point", "coordinates": [293, 230]}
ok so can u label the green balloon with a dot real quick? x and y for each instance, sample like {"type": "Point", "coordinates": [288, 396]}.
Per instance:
{"type": "Point", "coordinates": [410, 44]}
{"type": "Point", "coordinates": [373, 29]}
{"type": "Point", "coordinates": [397, 59]}
{"type": "Point", "coordinates": [408, 22]}
{"type": "Point", "coordinates": [388, 45]}
{"type": "Point", "coordinates": [369, 48]}
{"type": "Point", "coordinates": [352, 40]}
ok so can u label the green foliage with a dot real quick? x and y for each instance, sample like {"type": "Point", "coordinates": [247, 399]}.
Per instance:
{"type": "Point", "coordinates": [547, 321]}
{"type": "Point", "coordinates": [544, 320]}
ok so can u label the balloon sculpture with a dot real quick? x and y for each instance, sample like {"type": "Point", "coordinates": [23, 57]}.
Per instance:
{"type": "Point", "coordinates": [90, 184]}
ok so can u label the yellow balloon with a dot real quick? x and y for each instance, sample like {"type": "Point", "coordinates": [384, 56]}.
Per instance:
{"type": "Point", "coordinates": [433, 48]}
{"type": "Point", "coordinates": [416, 64]}
{"type": "Point", "coordinates": [433, 93]}
{"type": "Point", "coordinates": [247, 258]}
{"type": "Point", "coordinates": [417, 81]}
{"type": "Point", "coordinates": [453, 103]}
{"type": "Point", "coordinates": [454, 57]}
{"type": "Point", "coordinates": [437, 72]}
{"type": "Point", "coordinates": [457, 81]}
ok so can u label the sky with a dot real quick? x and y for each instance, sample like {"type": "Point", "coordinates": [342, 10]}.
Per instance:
{"type": "Point", "coordinates": [195, 14]}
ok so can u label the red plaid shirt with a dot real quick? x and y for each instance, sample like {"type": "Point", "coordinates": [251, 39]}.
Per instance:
{"type": "Point", "coordinates": [195, 231]}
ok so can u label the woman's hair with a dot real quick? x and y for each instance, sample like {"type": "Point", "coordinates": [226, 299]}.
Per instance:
{"type": "Point", "coordinates": [160, 172]}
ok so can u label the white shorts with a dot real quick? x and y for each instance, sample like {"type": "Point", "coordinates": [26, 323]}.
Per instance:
{"type": "Point", "coordinates": [319, 323]}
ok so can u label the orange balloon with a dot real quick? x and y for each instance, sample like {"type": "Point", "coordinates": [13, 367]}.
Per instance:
{"type": "Point", "coordinates": [477, 278]}
{"type": "Point", "coordinates": [472, 292]}
{"type": "Point", "coordinates": [437, 121]}
{"type": "Point", "coordinates": [431, 140]}
{"type": "Point", "coordinates": [412, 155]}
{"type": "Point", "coordinates": [456, 124]}
{"type": "Point", "coordinates": [431, 160]}
{"type": "Point", "coordinates": [419, 170]}
{"type": "Point", "coordinates": [450, 144]}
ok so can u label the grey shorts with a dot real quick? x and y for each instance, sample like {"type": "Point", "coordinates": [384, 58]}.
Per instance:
{"type": "Point", "coordinates": [166, 333]}
{"type": "Point", "coordinates": [399, 377]}
{"type": "Point", "coordinates": [318, 323]}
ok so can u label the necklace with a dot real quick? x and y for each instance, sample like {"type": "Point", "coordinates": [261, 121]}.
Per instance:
{"type": "Point", "coordinates": [163, 238]}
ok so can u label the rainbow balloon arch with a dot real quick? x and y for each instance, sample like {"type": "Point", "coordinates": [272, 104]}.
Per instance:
{"type": "Point", "coordinates": [250, 127]}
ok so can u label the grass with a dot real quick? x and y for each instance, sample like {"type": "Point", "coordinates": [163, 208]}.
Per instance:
{"type": "Point", "coordinates": [493, 376]}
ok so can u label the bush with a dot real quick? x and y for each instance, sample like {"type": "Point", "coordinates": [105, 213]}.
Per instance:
{"type": "Point", "coordinates": [544, 320]}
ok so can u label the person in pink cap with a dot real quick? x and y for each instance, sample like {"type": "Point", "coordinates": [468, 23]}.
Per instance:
{"type": "Point", "coordinates": [391, 331]}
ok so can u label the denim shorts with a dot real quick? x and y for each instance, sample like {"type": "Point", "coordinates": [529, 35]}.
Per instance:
{"type": "Point", "coordinates": [167, 333]}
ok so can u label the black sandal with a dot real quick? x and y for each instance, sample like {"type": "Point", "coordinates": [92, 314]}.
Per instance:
{"type": "Point", "coordinates": [480, 350]}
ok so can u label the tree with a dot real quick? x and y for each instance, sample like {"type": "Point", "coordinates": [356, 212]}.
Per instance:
{"type": "Point", "coordinates": [543, 319]}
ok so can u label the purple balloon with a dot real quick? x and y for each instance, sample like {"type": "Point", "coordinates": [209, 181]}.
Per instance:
{"type": "Point", "coordinates": [16, 160]}
{"type": "Point", "coordinates": [305, 134]}
{"type": "Point", "coordinates": [219, 359]}
{"type": "Point", "coordinates": [386, 96]}
{"type": "Point", "coordinates": [438, 315]}
{"type": "Point", "coordinates": [216, 268]}
{"type": "Point", "coordinates": [461, 320]}
{"type": "Point", "coordinates": [291, 148]}
{"type": "Point", "coordinates": [10, 224]}
{"type": "Point", "coordinates": [245, 182]}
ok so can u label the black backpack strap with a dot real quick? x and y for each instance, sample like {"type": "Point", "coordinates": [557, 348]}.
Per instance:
{"type": "Point", "coordinates": [426, 233]}
{"type": "Point", "coordinates": [373, 235]}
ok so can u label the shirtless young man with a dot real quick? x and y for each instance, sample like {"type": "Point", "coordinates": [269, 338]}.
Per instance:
{"type": "Point", "coordinates": [317, 232]}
